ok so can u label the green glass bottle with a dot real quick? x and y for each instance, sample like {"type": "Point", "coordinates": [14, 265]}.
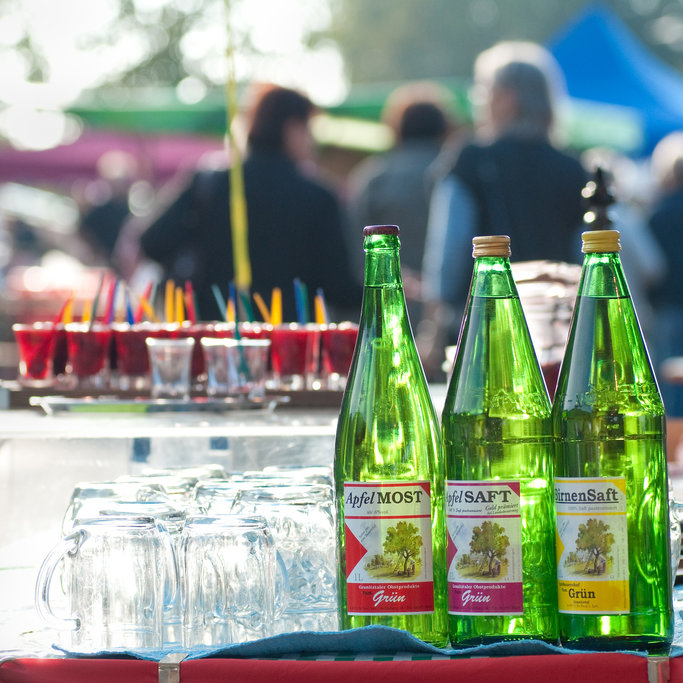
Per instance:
{"type": "Point", "coordinates": [388, 467]}
{"type": "Point", "coordinates": [611, 500]}
{"type": "Point", "coordinates": [498, 447]}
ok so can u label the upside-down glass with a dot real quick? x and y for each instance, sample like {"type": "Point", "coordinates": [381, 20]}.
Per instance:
{"type": "Point", "coordinates": [117, 575]}
{"type": "Point", "coordinates": [233, 588]}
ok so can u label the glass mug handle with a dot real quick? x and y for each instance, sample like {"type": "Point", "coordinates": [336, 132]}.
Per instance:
{"type": "Point", "coordinates": [68, 545]}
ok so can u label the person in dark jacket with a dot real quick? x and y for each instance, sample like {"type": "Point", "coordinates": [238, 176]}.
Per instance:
{"type": "Point", "coordinates": [511, 180]}
{"type": "Point", "coordinates": [295, 222]}
{"type": "Point", "coordinates": [394, 187]}
{"type": "Point", "coordinates": [666, 225]}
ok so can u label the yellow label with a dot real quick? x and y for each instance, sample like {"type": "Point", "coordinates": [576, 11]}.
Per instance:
{"type": "Point", "coordinates": [592, 545]}
{"type": "Point", "coordinates": [592, 597]}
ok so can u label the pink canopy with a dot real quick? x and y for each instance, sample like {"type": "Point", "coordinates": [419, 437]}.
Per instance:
{"type": "Point", "coordinates": [159, 157]}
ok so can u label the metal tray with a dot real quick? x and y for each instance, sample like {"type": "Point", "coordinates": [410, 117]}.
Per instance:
{"type": "Point", "coordinates": [112, 404]}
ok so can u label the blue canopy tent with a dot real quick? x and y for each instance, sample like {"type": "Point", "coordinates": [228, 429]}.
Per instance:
{"type": "Point", "coordinates": [604, 62]}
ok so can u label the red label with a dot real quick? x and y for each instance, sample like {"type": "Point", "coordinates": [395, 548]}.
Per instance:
{"type": "Point", "coordinates": [390, 598]}
{"type": "Point", "coordinates": [388, 535]}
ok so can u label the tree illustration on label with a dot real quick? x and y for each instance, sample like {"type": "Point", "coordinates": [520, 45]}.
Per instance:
{"type": "Point", "coordinates": [593, 543]}
{"type": "Point", "coordinates": [489, 542]}
{"type": "Point", "coordinates": [404, 542]}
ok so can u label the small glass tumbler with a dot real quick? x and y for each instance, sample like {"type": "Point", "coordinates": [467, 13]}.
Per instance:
{"type": "Point", "coordinates": [36, 344]}
{"type": "Point", "coordinates": [170, 362]}
{"type": "Point", "coordinates": [247, 366]}
{"type": "Point", "coordinates": [216, 363]}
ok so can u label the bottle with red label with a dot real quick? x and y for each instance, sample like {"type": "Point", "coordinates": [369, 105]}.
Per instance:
{"type": "Point", "coordinates": [389, 467]}
{"type": "Point", "coordinates": [498, 447]}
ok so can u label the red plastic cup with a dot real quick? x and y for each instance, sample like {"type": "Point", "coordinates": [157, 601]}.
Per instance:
{"type": "Point", "coordinates": [88, 353]}
{"type": "Point", "coordinates": [36, 343]}
{"type": "Point", "coordinates": [132, 359]}
{"type": "Point", "coordinates": [255, 330]}
{"type": "Point", "coordinates": [338, 342]}
{"type": "Point", "coordinates": [295, 350]}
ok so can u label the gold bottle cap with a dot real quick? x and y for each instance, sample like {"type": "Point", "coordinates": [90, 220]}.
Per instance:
{"type": "Point", "coordinates": [491, 245]}
{"type": "Point", "coordinates": [596, 241]}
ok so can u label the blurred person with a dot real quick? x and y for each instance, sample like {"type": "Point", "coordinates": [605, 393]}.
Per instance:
{"type": "Point", "coordinates": [509, 180]}
{"type": "Point", "coordinates": [666, 221]}
{"type": "Point", "coordinates": [106, 206]}
{"type": "Point", "coordinates": [295, 222]}
{"type": "Point", "coordinates": [394, 187]}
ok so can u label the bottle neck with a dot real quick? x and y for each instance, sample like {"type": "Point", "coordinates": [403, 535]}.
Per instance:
{"type": "Point", "coordinates": [603, 276]}
{"type": "Point", "coordinates": [382, 262]}
{"type": "Point", "coordinates": [492, 277]}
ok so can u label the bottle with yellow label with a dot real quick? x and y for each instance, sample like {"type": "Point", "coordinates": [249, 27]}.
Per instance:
{"type": "Point", "coordinates": [611, 503]}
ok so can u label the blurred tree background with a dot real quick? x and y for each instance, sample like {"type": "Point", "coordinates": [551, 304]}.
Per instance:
{"type": "Point", "coordinates": [402, 39]}
{"type": "Point", "coordinates": [163, 42]}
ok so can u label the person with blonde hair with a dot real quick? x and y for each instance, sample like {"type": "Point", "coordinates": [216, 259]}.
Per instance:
{"type": "Point", "coordinates": [510, 179]}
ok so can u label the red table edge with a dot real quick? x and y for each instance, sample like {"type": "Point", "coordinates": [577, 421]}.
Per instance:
{"type": "Point", "coordinates": [558, 668]}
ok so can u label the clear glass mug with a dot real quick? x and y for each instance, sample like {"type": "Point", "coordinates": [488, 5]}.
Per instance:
{"type": "Point", "coordinates": [119, 572]}
{"type": "Point", "coordinates": [234, 582]}
{"type": "Point", "coordinates": [301, 519]}
{"type": "Point", "coordinates": [170, 519]}
{"type": "Point", "coordinates": [93, 493]}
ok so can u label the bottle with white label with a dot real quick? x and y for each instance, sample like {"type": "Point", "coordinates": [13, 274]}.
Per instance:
{"type": "Point", "coordinates": [498, 447]}
{"type": "Point", "coordinates": [611, 497]}
{"type": "Point", "coordinates": [388, 467]}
